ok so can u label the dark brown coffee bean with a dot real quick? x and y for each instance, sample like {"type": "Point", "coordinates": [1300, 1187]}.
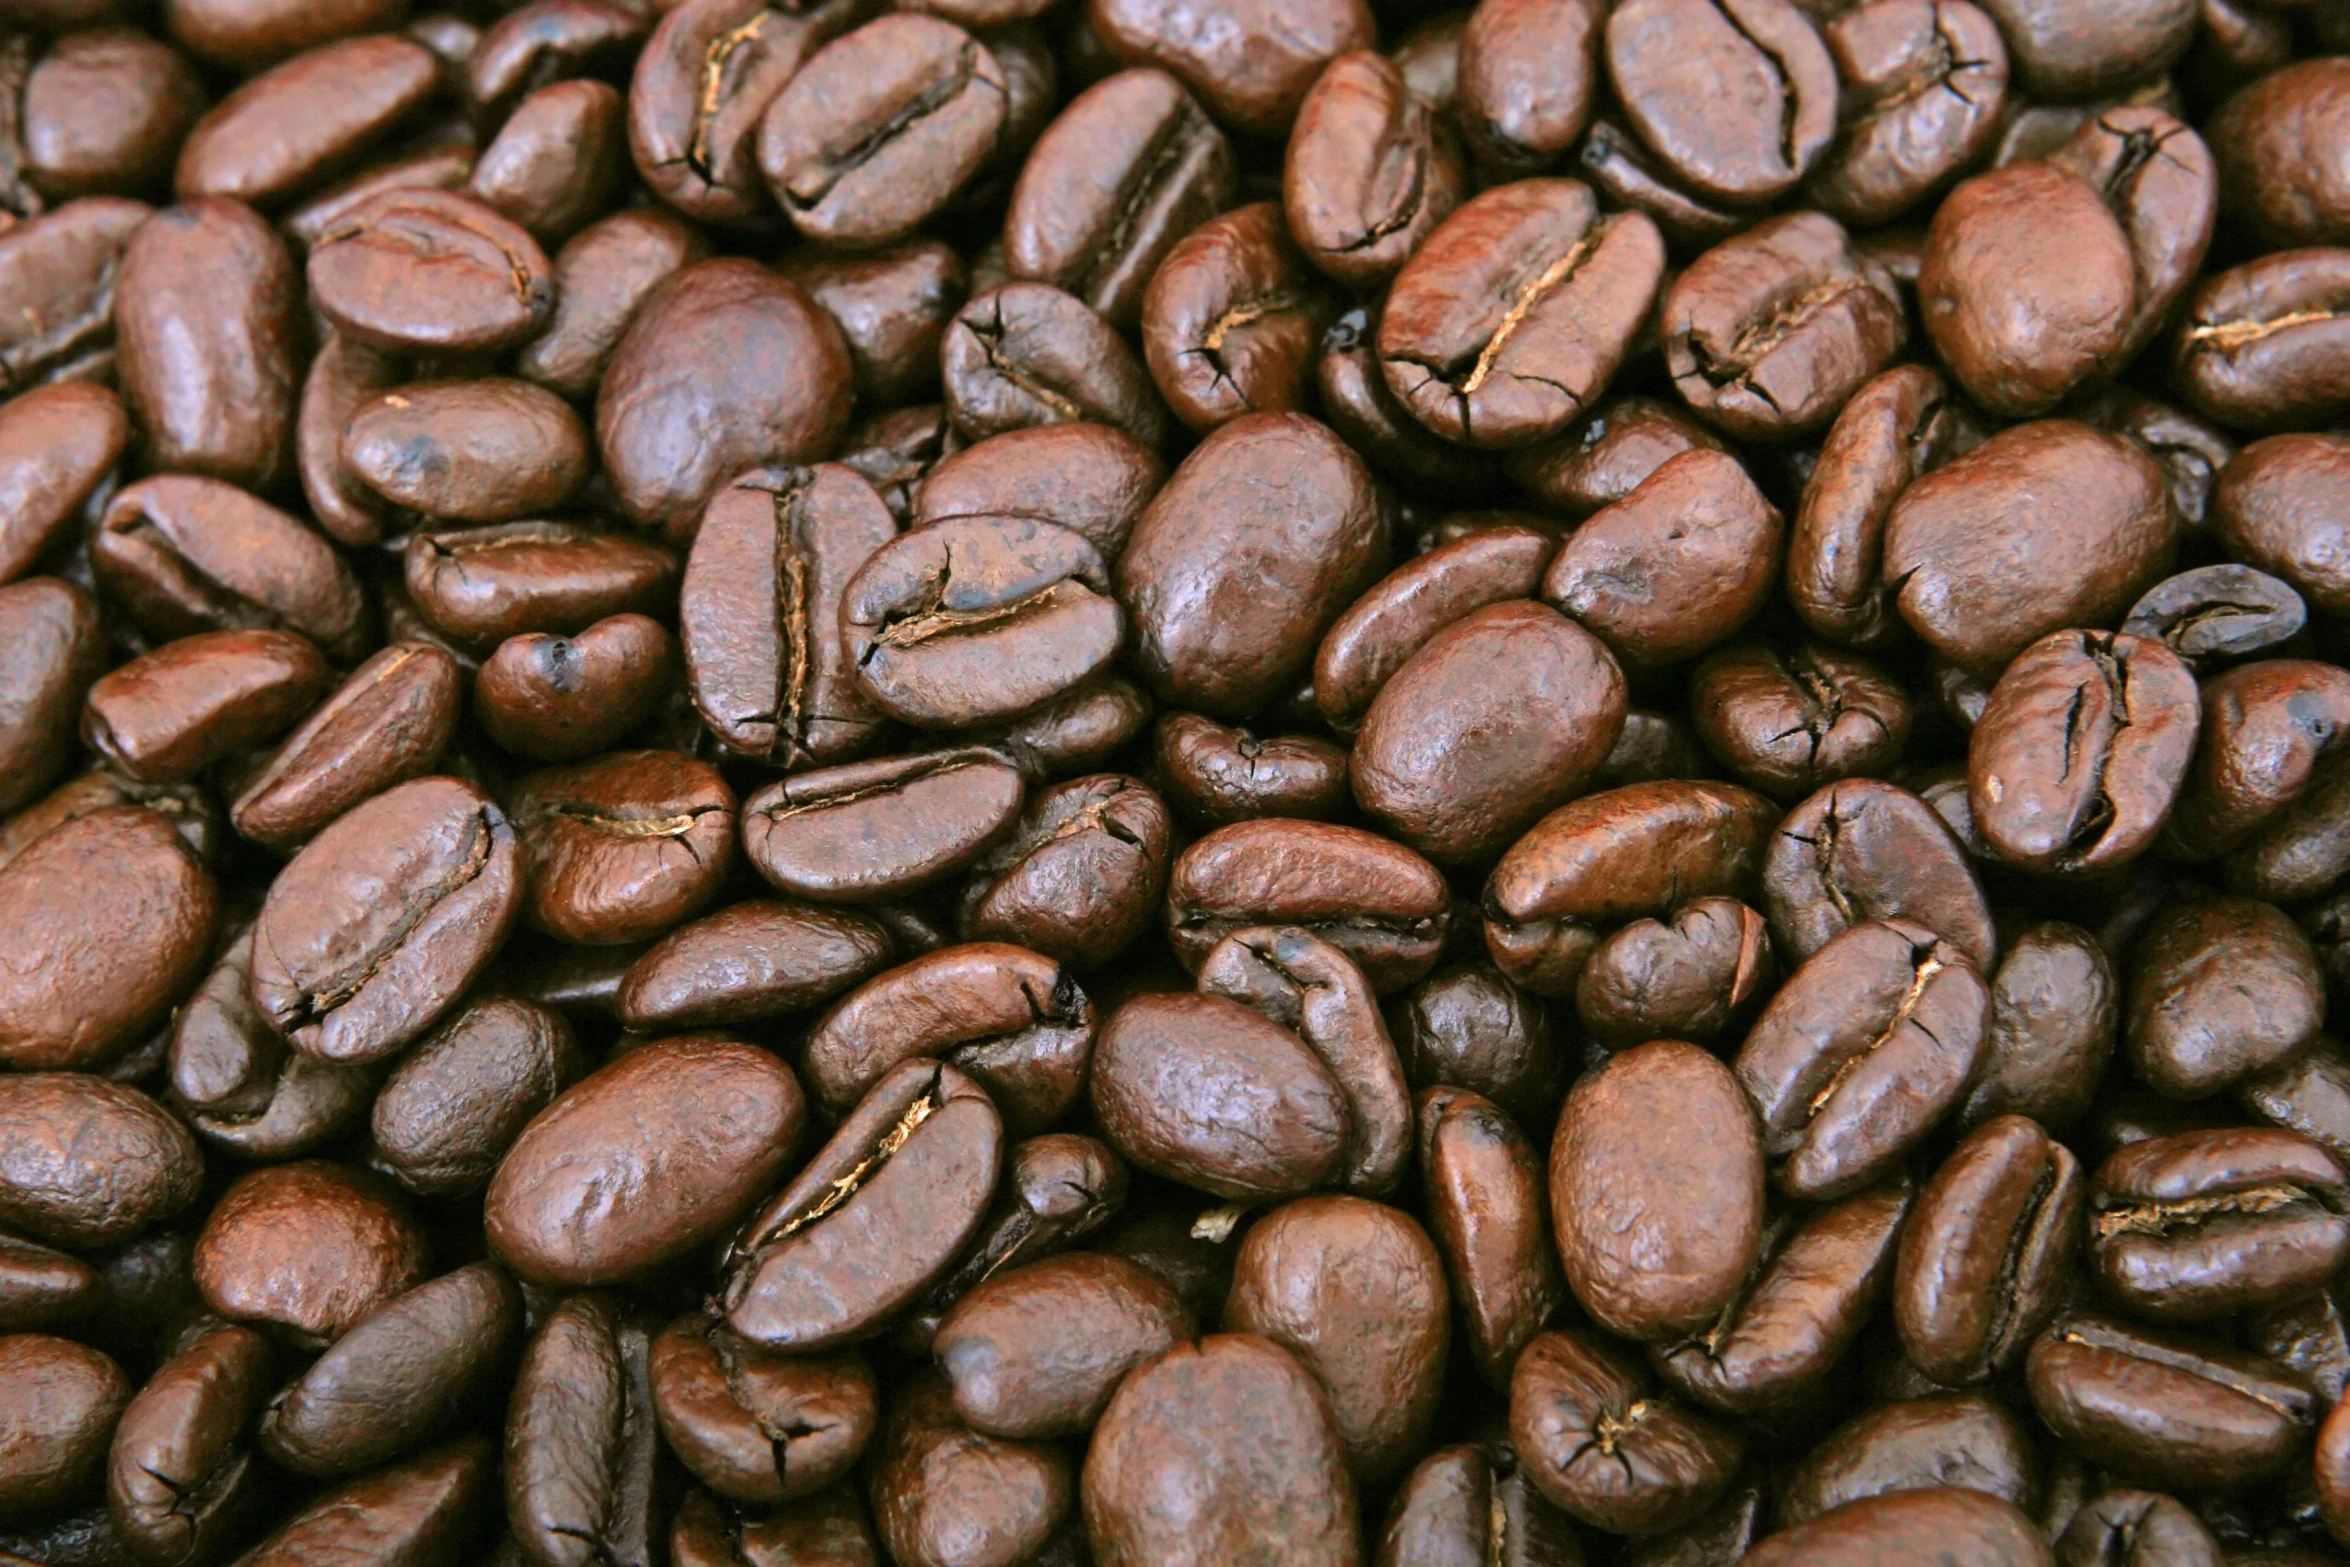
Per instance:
{"type": "Point", "coordinates": [2054, 1000]}
{"type": "Point", "coordinates": [1358, 404]}
{"type": "Point", "coordinates": [307, 1251]}
{"type": "Point", "coordinates": [892, 307]}
{"type": "Point", "coordinates": [2134, 1527]}
{"type": "Point", "coordinates": [1217, 774]}
{"type": "Point", "coordinates": [643, 1162]}
{"type": "Point", "coordinates": [1602, 1445]}
{"type": "Point", "coordinates": [1089, 478]}
{"type": "Point", "coordinates": [1985, 1256]}
{"type": "Point", "coordinates": [1470, 1029]}
{"type": "Point", "coordinates": [2263, 136]}
{"type": "Point", "coordinates": [41, 1287]}
{"type": "Point", "coordinates": [468, 451]}
{"type": "Point", "coordinates": [167, 715]}
{"type": "Point", "coordinates": [2259, 347]}
{"type": "Point", "coordinates": [62, 1402]}
{"type": "Point", "coordinates": [1623, 854]}
{"type": "Point", "coordinates": [1488, 1213]}
{"type": "Point", "coordinates": [1736, 97]}
{"type": "Point", "coordinates": [624, 847]}
{"type": "Point", "coordinates": [483, 585]}
{"type": "Point", "coordinates": [1923, 85]}
{"type": "Point", "coordinates": [58, 285]}
{"type": "Point", "coordinates": [384, 918]}
{"type": "Point", "coordinates": [51, 651]}
{"type": "Point", "coordinates": [2201, 1225]}
{"type": "Point", "coordinates": [601, 276]}
{"type": "Point", "coordinates": [1254, 70]}
{"type": "Point", "coordinates": [1864, 1049]}
{"type": "Point", "coordinates": [2156, 177]}
{"type": "Point", "coordinates": [180, 1478]}
{"type": "Point", "coordinates": [1675, 567]}
{"type": "Point", "coordinates": [455, 1103]}
{"type": "Point", "coordinates": [1865, 850]}
{"type": "Point", "coordinates": [397, 1379]}
{"type": "Point", "coordinates": [182, 554]}
{"type": "Point", "coordinates": [2067, 57]}
{"type": "Point", "coordinates": [1024, 354]}
{"type": "Point", "coordinates": [554, 699]}
{"type": "Point", "coordinates": [1391, 622]}
{"type": "Point", "coordinates": [1695, 978]}
{"type": "Point", "coordinates": [1507, 323]}
{"type": "Point", "coordinates": [1268, 499]}
{"type": "Point", "coordinates": [1127, 169]}
{"type": "Point", "coordinates": [546, 41]}
{"type": "Point", "coordinates": [1369, 169]}
{"type": "Point", "coordinates": [1816, 1282]}
{"type": "Point", "coordinates": [583, 1461]}
{"type": "Point", "coordinates": [1788, 723]}
{"type": "Point", "coordinates": [57, 445]}
{"type": "Point", "coordinates": [427, 271]}
{"type": "Point", "coordinates": [2167, 1409]}
{"type": "Point", "coordinates": [89, 1163]}
{"type": "Point", "coordinates": [760, 614]}
{"type": "Point", "coordinates": [873, 1219]}
{"type": "Point", "coordinates": [972, 620]}
{"type": "Point", "coordinates": [1080, 877]}
{"type": "Point", "coordinates": [205, 316]}
{"type": "Point", "coordinates": [756, 1426]}
{"type": "Point", "coordinates": [749, 961]}
{"type": "Point", "coordinates": [1378, 902]}
{"type": "Point", "coordinates": [705, 77]}
{"type": "Point", "coordinates": [558, 161]}
{"type": "Point", "coordinates": [1620, 1193]}
{"type": "Point", "coordinates": [1943, 1524]}
{"type": "Point", "coordinates": [1233, 319]}
{"type": "Point", "coordinates": [2220, 989]}
{"type": "Point", "coordinates": [724, 366]}
{"type": "Point", "coordinates": [880, 128]}
{"type": "Point", "coordinates": [389, 722]}
{"type": "Point", "coordinates": [870, 831]}
{"type": "Point", "coordinates": [238, 1084]}
{"type": "Point", "coordinates": [1036, 1352]}
{"type": "Point", "coordinates": [1216, 1452]}
{"type": "Point", "coordinates": [1948, 1439]}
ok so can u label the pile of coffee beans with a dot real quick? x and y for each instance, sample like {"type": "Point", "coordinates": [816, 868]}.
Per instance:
{"type": "Point", "coordinates": [1174, 783]}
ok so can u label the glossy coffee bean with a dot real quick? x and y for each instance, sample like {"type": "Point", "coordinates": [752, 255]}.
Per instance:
{"type": "Point", "coordinates": [751, 960]}
{"type": "Point", "coordinates": [1898, 1528]}
{"type": "Point", "coordinates": [1079, 878]}
{"type": "Point", "coordinates": [448, 1112]}
{"type": "Point", "coordinates": [1025, 354]}
{"type": "Point", "coordinates": [57, 444]}
{"type": "Point", "coordinates": [1037, 1352]}
{"type": "Point", "coordinates": [624, 847]}
{"type": "Point", "coordinates": [1863, 850]}
{"type": "Point", "coordinates": [2221, 989]}
{"type": "Point", "coordinates": [90, 1163]}
{"type": "Point", "coordinates": [390, 721]}
{"type": "Point", "coordinates": [1378, 902]}
{"type": "Point", "coordinates": [1370, 170]}
{"type": "Point", "coordinates": [307, 1251]}
{"type": "Point", "coordinates": [555, 699]}
{"type": "Point", "coordinates": [582, 1462]}
{"type": "Point", "coordinates": [1603, 1446]}
{"type": "Point", "coordinates": [181, 1476]}
{"type": "Point", "coordinates": [753, 1425]}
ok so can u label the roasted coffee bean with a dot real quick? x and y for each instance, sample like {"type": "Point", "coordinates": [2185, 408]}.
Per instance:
{"type": "Point", "coordinates": [1036, 1352]}
{"type": "Point", "coordinates": [307, 1251]}
{"type": "Point", "coordinates": [1220, 1451]}
{"type": "Point", "coordinates": [1508, 321]}
{"type": "Point", "coordinates": [1619, 1191]}
{"type": "Point", "coordinates": [285, 128]}
{"type": "Point", "coordinates": [1252, 70]}
{"type": "Point", "coordinates": [869, 831]}
{"type": "Point", "coordinates": [1863, 850]}
{"type": "Point", "coordinates": [57, 445]}
{"type": "Point", "coordinates": [1079, 878]}
{"type": "Point", "coordinates": [167, 715]}
{"type": "Point", "coordinates": [52, 649]}
{"type": "Point", "coordinates": [1736, 97]}
{"type": "Point", "coordinates": [750, 961]}
{"type": "Point", "coordinates": [240, 1086]}
{"type": "Point", "coordinates": [892, 308]}
{"type": "Point", "coordinates": [2221, 989]}
{"type": "Point", "coordinates": [2059, 55]}
{"type": "Point", "coordinates": [204, 310]}
{"type": "Point", "coordinates": [2212, 613]}
{"type": "Point", "coordinates": [1769, 334]}
{"type": "Point", "coordinates": [880, 127]}
{"type": "Point", "coordinates": [1601, 1444]}
{"type": "Point", "coordinates": [2262, 137]}
{"type": "Point", "coordinates": [1485, 1189]}
{"type": "Point", "coordinates": [624, 847]}
{"type": "Point", "coordinates": [1923, 85]}
{"type": "Point", "coordinates": [2134, 1527]}
{"type": "Point", "coordinates": [759, 614]}
{"type": "Point", "coordinates": [558, 161]}
{"type": "Point", "coordinates": [554, 699]}
{"type": "Point", "coordinates": [398, 1378]}
{"type": "Point", "coordinates": [1376, 901]}
{"type": "Point", "coordinates": [1265, 499]}
{"type": "Point", "coordinates": [2201, 1225]}
{"type": "Point", "coordinates": [583, 1459]}
{"type": "Point", "coordinates": [2081, 751]}
{"type": "Point", "coordinates": [61, 1407]}
{"type": "Point", "coordinates": [1128, 168]}
{"type": "Point", "coordinates": [1623, 854]}
{"type": "Point", "coordinates": [1693, 979]}
{"type": "Point", "coordinates": [1950, 1439]}
{"type": "Point", "coordinates": [1910, 1529]}
{"type": "Point", "coordinates": [1787, 723]}
{"type": "Point", "coordinates": [384, 918]}
{"type": "Point", "coordinates": [1468, 1027]}
{"type": "Point", "coordinates": [975, 619]}
{"type": "Point", "coordinates": [873, 1219]}
{"type": "Point", "coordinates": [122, 914]}
{"type": "Point", "coordinates": [1089, 478]}
{"type": "Point", "coordinates": [1864, 1049]}
{"type": "Point", "coordinates": [186, 554]}
{"type": "Point", "coordinates": [2168, 1409]}
{"type": "Point", "coordinates": [451, 1108]}
{"type": "Point", "coordinates": [601, 276]}
{"type": "Point", "coordinates": [753, 1425]}
{"type": "Point", "coordinates": [483, 585]}
{"type": "Point", "coordinates": [1473, 1503]}
{"type": "Point", "coordinates": [1025, 354]}
{"type": "Point", "coordinates": [724, 366]}
{"type": "Point", "coordinates": [425, 271]}
{"type": "Point", "coordinates": [468, 451]}
{"type": "Point", "coordinates": [1217, 774]}
{"type": "Point", "coordinates": [2258, 346]}
{"type": "Point", "coordinates": [180, 1477]}
{"type": "Point", "coordinates": [1985, 1253]}
{"type": "Point", "coordinates": [59, 281]}
{"type": "Point", "coordinates": [389, 722]}
{"type": "Point", "coordinates": [90, 1163]}
{"type": "Point", "coordinates": [1371, 169]}
{"type": "Point", "coordinates": [1233, 319]}
{"type": "Point", "coordinates": [1677, 566]}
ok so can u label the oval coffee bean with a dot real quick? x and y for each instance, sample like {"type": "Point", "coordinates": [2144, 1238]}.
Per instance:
{"type": "Point", "coordinates": [865, 832]}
